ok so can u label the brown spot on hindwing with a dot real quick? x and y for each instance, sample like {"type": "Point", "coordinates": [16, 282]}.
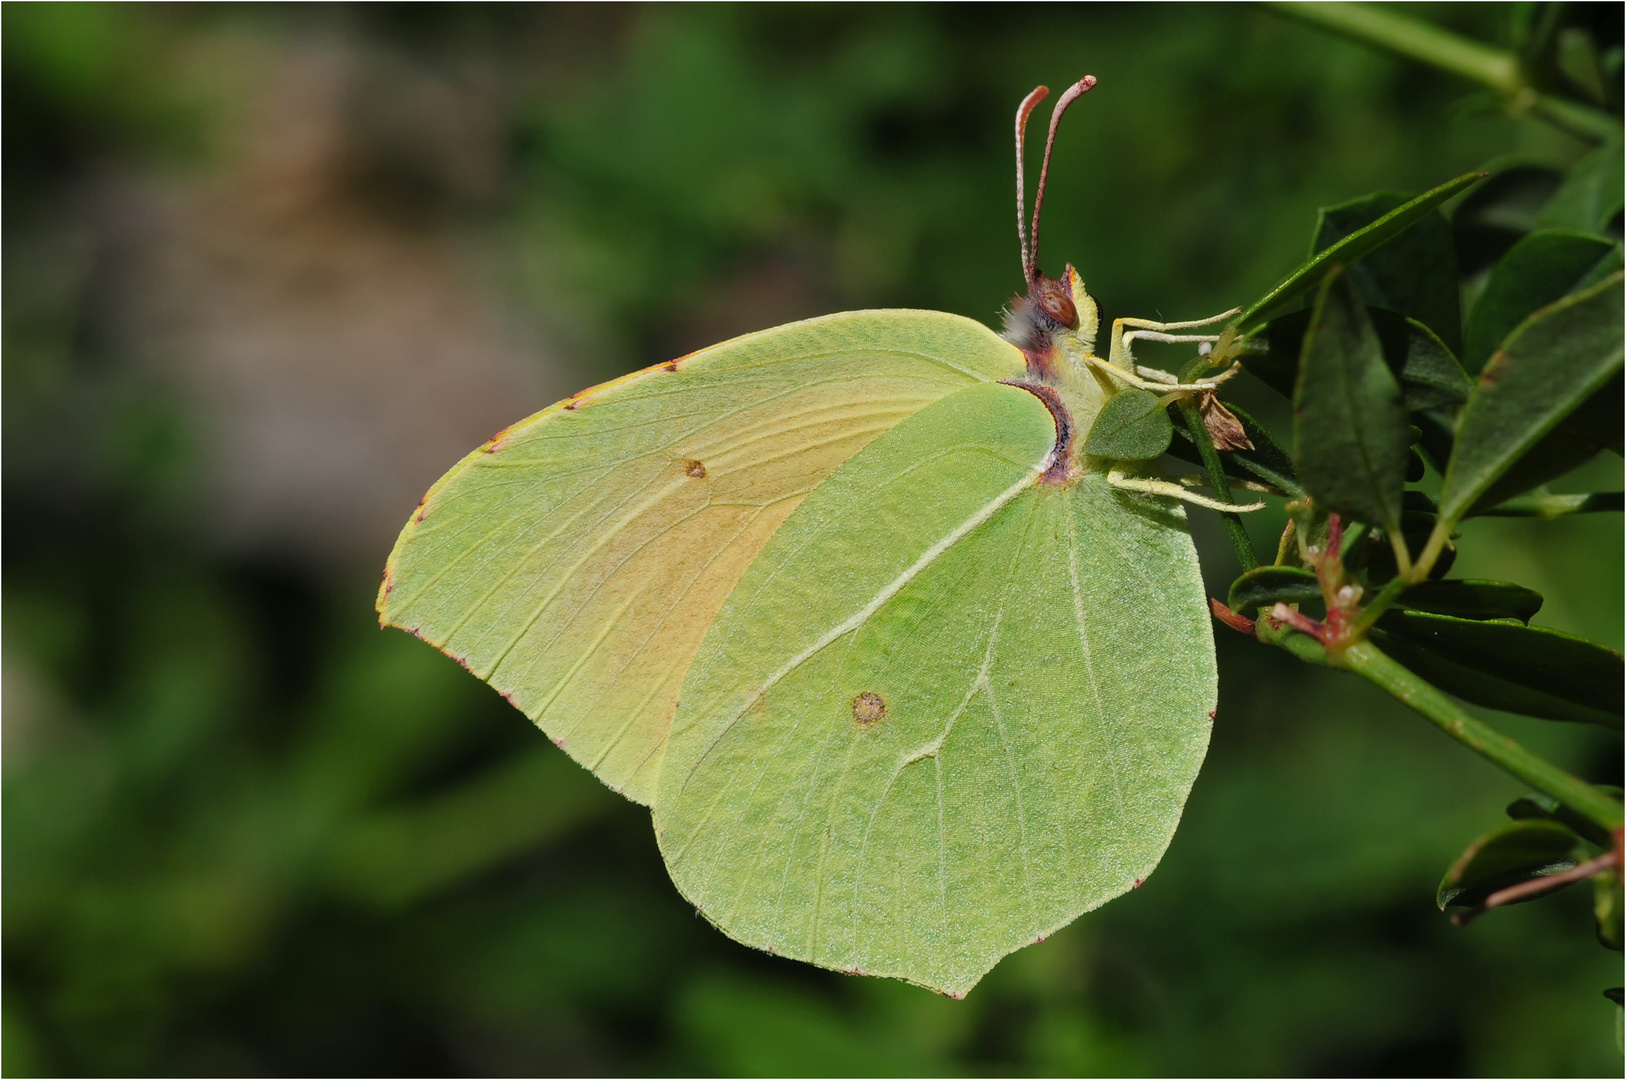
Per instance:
{"type": "Point", "coordinates": [695, 469]}
{"type": "Point", "coordinates": [869, 709]}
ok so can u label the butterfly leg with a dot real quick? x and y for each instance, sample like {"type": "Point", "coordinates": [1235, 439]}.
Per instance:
{"type": "Point", "coordinates": [1158, 331]}
{"type": "Point", "coordinates": [1174, 491]}
{"type": "Point", "coordinates": [1161, 382]}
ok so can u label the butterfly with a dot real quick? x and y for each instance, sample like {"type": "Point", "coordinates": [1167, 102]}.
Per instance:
{"type": "Point", "coordinates": [877, 613]}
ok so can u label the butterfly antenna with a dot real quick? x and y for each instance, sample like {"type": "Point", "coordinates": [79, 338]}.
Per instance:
{"type": "Point", "coordinates": [1072, 94]}
{"type": "Point", "coordinates": [1023, 111]}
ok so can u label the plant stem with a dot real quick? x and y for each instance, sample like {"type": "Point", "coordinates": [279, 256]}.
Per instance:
{"type": "Point", "coordinates": [1451, 52]}
{"type": "Point", "coordinates": [1380, 603]}
{"type": "Point", "coordinates": [1437, 539]}
{"type": "Point", "coordinates": [1304, 646]}
{"type": "Point", "coordinates": [1221, 487]}
{"type": "Point", "coordinates": [1283, 546]}
{"type": "Point", "coordinates": [1402, 556]}
{"type": "Point", "coordinates": [1552, 881]}
{"type": "Point", "coordinates": [1577, 119]}
{"type": "Point", "coordinates": [1481, 63]}
{"type": "Point", "coordinates": [1368, 661]}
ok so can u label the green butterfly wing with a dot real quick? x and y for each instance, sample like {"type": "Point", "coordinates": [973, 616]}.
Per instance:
{"type": "Point", "coordinates": [577, 559]}
{"type": "Point", "coordinates": [947, 710]}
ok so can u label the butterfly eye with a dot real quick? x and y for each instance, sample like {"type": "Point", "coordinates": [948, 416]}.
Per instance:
{"type": "Point", "coordinates": [1059, 306]}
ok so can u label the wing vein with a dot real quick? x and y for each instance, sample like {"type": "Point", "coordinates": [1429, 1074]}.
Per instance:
{"type": "Point", "coordinates": [1080, 621]}
{"type": "Point", "coordinates": [891, 589]}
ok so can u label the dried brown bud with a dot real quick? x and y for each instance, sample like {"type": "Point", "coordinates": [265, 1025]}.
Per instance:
{"type": "Point", "coordinates": [1224, 429]}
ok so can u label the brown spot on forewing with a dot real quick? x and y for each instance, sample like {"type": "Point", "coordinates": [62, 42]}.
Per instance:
{"type": "Point", "coordinates": [695, 469]}
{"type": "Point", "coordinates": [601, 663]}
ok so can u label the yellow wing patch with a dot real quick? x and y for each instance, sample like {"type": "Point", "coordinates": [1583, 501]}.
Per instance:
{"type": "Point", "coordinates": [576, 560]}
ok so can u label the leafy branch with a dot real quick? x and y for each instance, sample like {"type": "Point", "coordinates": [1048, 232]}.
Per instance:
{"type": "Point", "coordinates": [1364, 338]}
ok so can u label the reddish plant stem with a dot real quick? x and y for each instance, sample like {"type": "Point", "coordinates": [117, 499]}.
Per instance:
{"type": "Point", "coordinates": [1300, 622]}
{"type": "Point", "coordinates": [1231, 618]}
{"type": "Point", "coordinates": [1537, 886]}
{"type": "Point", "coordinates": [1552, 881]}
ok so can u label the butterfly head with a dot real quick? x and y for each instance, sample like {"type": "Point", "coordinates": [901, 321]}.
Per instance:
{"type": "Point", "coordinates": [1057, 318]}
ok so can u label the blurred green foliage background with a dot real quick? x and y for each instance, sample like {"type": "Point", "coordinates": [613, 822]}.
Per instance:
{"type": "Point", "coordinates": [270, 270]}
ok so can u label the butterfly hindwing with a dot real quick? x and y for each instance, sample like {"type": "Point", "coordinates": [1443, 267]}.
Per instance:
{"type": "Point", "coordinates": [948, 709]}
{"type": "Point", "coordinates": [576, 560]}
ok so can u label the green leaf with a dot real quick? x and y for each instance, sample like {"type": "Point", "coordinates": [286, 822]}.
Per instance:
{"type": "Point", "coordinates": [1595, 426]}
{"type": "Point", "coordinates": [1577, 58]}
{"type": "Point", "coordinates": [1434, 384]}
{"type": "Point", "coordinates": [1429, 376]}
{"type": "Point", "coordinates": [1538, 270]}
{"type": "Point", "coordinates": [1546, 808]}
{"type": "Point", "coordinates": [1267, 461]}
{"type": "Point", "coordinates": [1509, 666]}
{"type": "Point", "coordinates": [1549, 367]}
{"type": "Point", "coordinates": [1131, 426]}
{"type": "Point", "coordinates": [1347, 250]}
{"type": "Point", "coordinates": [1473, 599]}
{"type": "Point", "coordinates": [1607, 905]}
{"type": "Point", "coordinates": [1271, 355]}
{"type": "Point", "coordinates": [1591, 194]}
{"type": "Point", "coordinates": [1517, 852]}
{"type": "Point", "coordinates": [894, 753]}
{"type": "Point", "coordinates": [1414, 275]}
{"type": "Point", "coordinates": [1549, 507]}
{"type": "Point", "coordinates": [1266, 585]}
{"type": "Point", "coordinates": [1350, 436]}
{"type": "Point", "coordinates": [1438, 436]}
{"type": "Point", "coordinates": [1428, 372]}
{"type": "Point", "coordinates": [1601, 269]}
{"type": "Point", "coordinates": [1496, 214]}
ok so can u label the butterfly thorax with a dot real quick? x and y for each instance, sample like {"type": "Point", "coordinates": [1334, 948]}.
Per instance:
{"type": "Point", "coordinates": [1055, 327]}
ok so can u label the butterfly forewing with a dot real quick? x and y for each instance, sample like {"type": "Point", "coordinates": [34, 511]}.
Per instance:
{"type": "Point", "coordinates": [577, 559]}
{"type": "Point", "coordinates": [949, 709]}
